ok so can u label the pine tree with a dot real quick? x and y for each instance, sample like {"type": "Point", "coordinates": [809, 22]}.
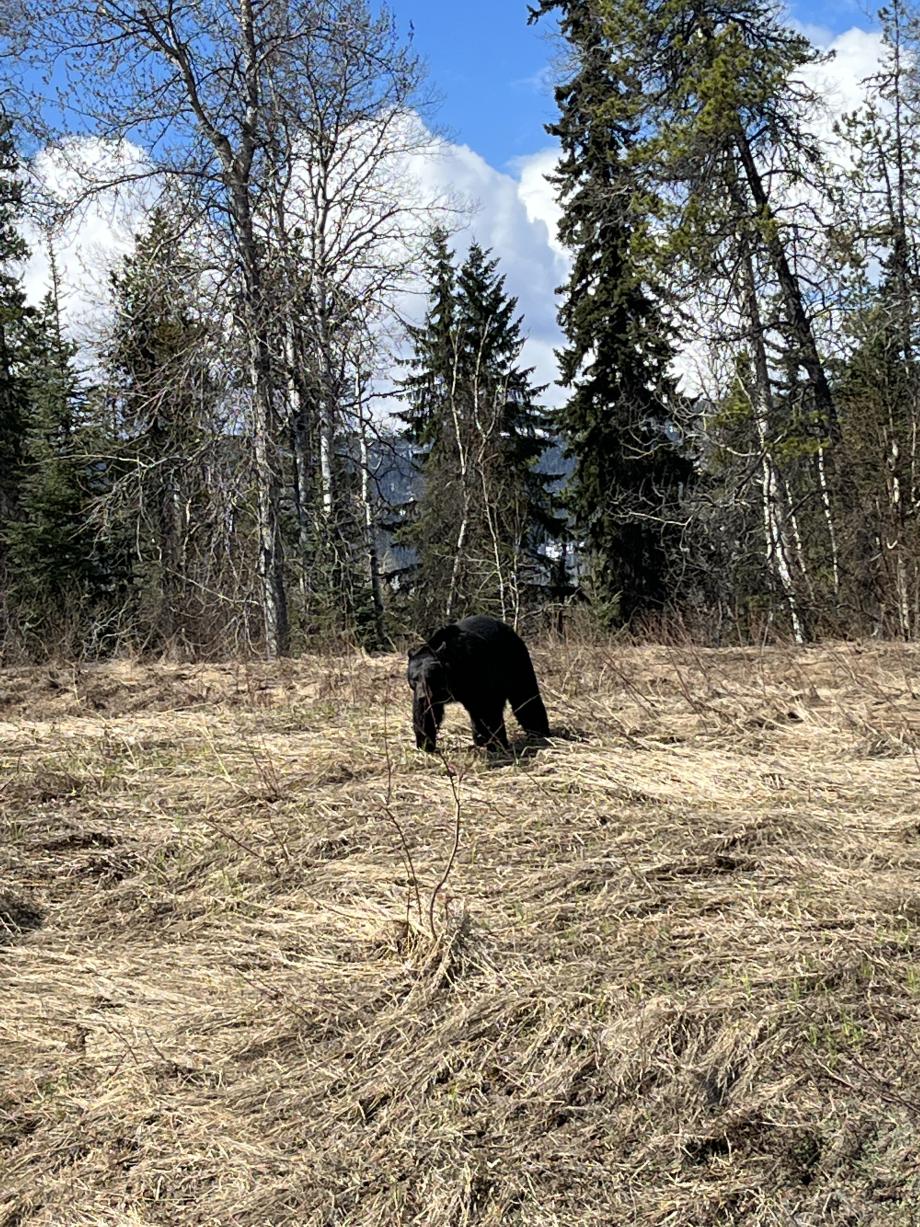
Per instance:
{"type": "Point", "coordinates": [717, 96]}
{"type": "Point", "coordinates": [427, 393]}
{"type": "Point", "coordinates": [879, 392]}
{"type": "Point", "coordinates": [335, 513]}
{"type": "Point", "coordinates": [619, 420]}
{"type": "Point", "coordinates": [485, 510]}
{"type": "Point", "coordinates": [722, 125]}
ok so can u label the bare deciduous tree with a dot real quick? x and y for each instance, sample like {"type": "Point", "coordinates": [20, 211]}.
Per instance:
{"type": "Point", "coordinates": [284, 126]}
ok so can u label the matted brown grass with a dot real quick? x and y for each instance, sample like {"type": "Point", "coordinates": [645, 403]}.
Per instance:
{"type": "Point", "coordinates": [671, 979]}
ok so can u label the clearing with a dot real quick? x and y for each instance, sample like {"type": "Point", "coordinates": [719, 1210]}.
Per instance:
{"type": "Point", "coordinates": [672, 977]}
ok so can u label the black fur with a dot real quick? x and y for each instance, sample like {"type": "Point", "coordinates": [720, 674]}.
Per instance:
{"type": "Point", "coordinates": [483, 664]}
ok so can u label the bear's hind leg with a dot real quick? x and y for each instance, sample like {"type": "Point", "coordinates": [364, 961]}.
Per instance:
{"type": "Point", "coordinates": [527, 704]}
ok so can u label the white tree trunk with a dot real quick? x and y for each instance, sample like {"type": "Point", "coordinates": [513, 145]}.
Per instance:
{"type": "Point", "coordinates": [775, 539]}
{"type": "Point", "coordinates": [463, 465]}
{"type": "Point", "coordinates": [370, 527]}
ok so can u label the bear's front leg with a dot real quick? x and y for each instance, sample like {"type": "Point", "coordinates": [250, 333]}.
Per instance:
{"type": "Point", "coordinates": [489, 728]}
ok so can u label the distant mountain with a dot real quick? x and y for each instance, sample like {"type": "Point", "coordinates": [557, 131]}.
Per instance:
{"type": "Point", "coordinates": [398, 483]}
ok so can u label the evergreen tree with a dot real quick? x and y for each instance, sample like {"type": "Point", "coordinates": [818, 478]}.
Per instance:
{"type": "Point", "coordinates": [432, 363]}
{"type": "Point", "coordinates": [55, 565]}
{"type": "Point", "coordinates": [15, 324]}
{"type": "Point", "coordinates": [511, 430]}
{"type": "Point", "coordinates": [485, 510]}
{"type": "Point", "coordinates": [716, 97]}
{"type": "Point", "coordinates": [878, 228]}
{"type": "Point", "coordinates": [619, 420]}
{"type": "Point", "coordinates": [879, 391]}
{"type": "Point", "coordinates": [723, 118]}
{"type": "Point", "coordinates": [333, 505]}
{"type": "Point", "coordinates": [163, 397]}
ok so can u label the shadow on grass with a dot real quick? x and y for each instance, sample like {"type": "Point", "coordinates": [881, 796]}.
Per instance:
{"type": "Point", "coordinates": [530, 745]}
{"type": "Point", "coordinates": [18, 916]}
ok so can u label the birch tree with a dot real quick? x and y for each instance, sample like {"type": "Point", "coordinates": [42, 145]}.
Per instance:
{"type": "Point", "coordinates": [238, 104]}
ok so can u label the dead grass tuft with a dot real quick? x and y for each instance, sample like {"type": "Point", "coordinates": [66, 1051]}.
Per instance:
{"type": "Point", "coordinates": [667, 975]}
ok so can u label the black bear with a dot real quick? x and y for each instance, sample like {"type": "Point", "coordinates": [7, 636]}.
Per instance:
{"type": "Point", "coordinates": [483, 664]}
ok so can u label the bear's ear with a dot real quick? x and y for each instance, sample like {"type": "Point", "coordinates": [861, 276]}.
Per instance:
{"type": "Point", "coordinates": [442, 639]}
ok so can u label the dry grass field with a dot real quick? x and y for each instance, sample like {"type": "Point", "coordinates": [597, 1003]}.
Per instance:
{"type": "Point", "coordinates": [672, 976]}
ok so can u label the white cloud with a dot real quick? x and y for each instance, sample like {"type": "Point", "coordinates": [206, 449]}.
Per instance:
{"type": "Point", "coordinates": [514, 213]}
{"type": "Point", "coordinates": [539, 195]}
{"type": "Point", "coordinates": [856, 55]}
{"type": "Point", "coordinates": [96, 234]}
{"type": "Point", "coordinates": [820, 36]}
{"type": "Point", "coordinates": [513, 216]}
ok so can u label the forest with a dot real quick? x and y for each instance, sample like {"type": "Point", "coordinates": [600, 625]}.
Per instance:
{"type": "Point", "coordinates": [278, 396]}
{"type": "Point", "coordinates": [263, 448]}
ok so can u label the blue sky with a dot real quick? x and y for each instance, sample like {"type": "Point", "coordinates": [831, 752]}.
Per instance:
{"type": "Point", "coordinates": [486, 64]}
{"type": "Point", "coordinates": [491, 72]}
{"type": "Point", "coordinates": [489, 67]}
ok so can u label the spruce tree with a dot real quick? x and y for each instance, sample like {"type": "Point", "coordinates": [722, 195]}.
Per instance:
{"type": "Point", "coordinates": [721, 105]}
{"type": "Point", "coordinates": [55, 564]}
{"type": "Point", "coordinates": [718, 104]}
{"type": "Point", "coordinates": [879, 391]}
{"type": "Point", "coordinates": [485, 510]}
{"type": "Point", "coordinates": [511, 430]}
{"type": "Point", "coordinates": [618, 421]}
{"type": "Point", "coordinates": [162, 392]}
{"type": "Point", "coordinates": [15, 325]}
{"type": "Point", "coordinates": [877, 234]}
{"type": "Point", "coordinates": [432, 362]}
